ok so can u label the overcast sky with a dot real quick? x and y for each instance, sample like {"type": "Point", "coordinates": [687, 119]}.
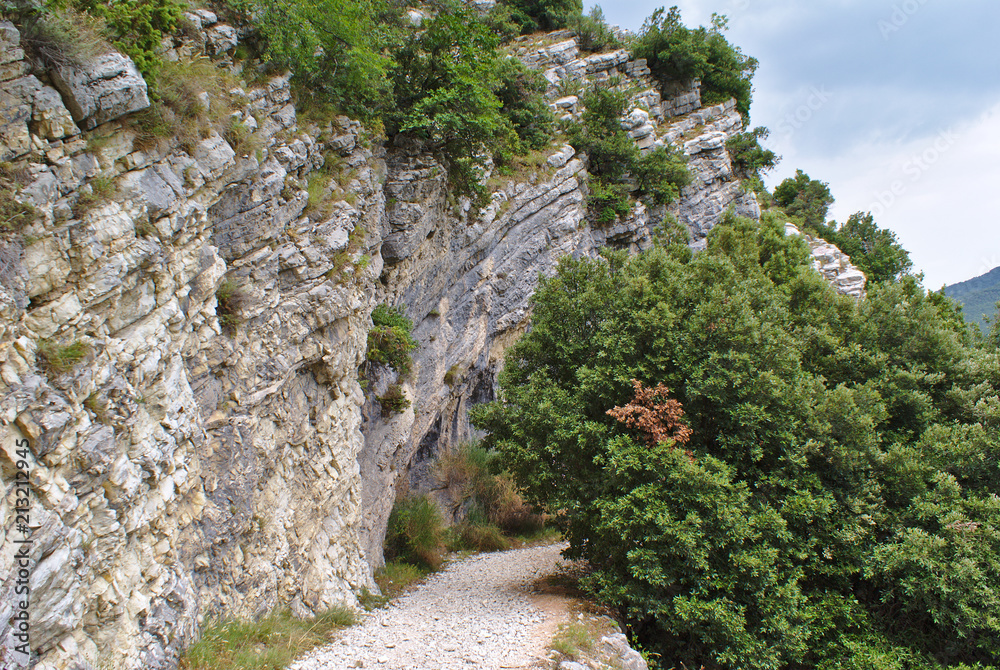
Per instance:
{"type": "Point", "coordinates": [894, 103]}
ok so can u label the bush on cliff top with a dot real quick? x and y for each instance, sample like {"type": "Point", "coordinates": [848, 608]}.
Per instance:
{"type": "Point", "coordinates": [675, 52]}
{"type": "Point", "coordinates": [837, 502]}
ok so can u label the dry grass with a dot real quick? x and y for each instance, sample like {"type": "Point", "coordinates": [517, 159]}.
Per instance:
{"type": "Point", "coordinates": [65, 37]}
{"type": "Point", "coordinates": [102, 189]}
{"type": "Point", "coordinates": [181, 112]}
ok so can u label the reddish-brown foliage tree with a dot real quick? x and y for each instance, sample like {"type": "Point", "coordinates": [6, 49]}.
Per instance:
{"type": "Point", "coordinates": [654, 413]}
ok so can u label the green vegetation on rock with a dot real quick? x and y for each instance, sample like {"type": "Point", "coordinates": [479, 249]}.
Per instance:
{"type": "Point", "coordinates": [675, 52]}
{"type": "Point", "coordinates": [615, 160]}
{"type": "Point", "coordinates": [390, 340]}
{"type": "Point", "coordinates": [830, 496]}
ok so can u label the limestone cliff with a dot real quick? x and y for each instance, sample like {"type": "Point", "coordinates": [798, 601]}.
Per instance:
{"type": "Point", "coordinates": [183, 326]}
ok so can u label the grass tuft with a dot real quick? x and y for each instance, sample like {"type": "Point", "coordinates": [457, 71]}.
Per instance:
{"type": "Point", "coordinates": [97, 406]}
{"type": "Point", "coordinates": [415, 533]}
{"type": "Point", "coordinates": [270, 643]}
{"type": "Point", "coordinates": [102, 189]}
{"type": "Point", "coordinates": [62, 358]}
{"type": "Point", "coordinates": [397, 577]}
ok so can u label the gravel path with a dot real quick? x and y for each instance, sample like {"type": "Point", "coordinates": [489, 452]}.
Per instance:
{"type": "Point", "coordinates": [478, 613]}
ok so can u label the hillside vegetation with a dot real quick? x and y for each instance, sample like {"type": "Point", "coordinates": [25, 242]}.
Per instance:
{"type": "Point", "coordinates": [979, 297]}
{"type": "Point", "coordinates": [763, 473]}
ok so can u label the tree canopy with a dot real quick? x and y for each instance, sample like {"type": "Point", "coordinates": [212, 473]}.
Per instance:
{"type": "Point", "coordinates": [803, 197]}
{"type": "Point", "coordinates": [835, 504]}
{"type": "Point", "coordinates": [675, 52]}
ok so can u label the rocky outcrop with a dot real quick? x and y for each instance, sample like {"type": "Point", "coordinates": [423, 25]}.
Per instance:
{"type": "Point", "coordinates": [187, 459]}
{"type": "Point", "coordinates": [183, 329]}
{"type": "Point", "coordinates": [101, 90]}
{"type": "Point", "coordinates": [833, 264]}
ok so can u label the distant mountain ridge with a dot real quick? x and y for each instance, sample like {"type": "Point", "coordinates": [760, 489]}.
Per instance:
{"type": "Point", "coordinates": [978, 296]}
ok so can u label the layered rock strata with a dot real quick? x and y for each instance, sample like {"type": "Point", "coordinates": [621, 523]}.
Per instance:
{"type": "Point", "coordinates": [181, 354]}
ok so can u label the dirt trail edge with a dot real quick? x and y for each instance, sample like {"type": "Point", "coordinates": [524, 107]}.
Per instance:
{"type": "Point", "coordinates": [480, 612]}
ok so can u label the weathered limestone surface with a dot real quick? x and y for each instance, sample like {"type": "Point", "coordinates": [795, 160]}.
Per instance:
{"type": "Point", "coordinates": [177, 470]}
{"type": "Point", "coordinates": [101, 90]}
{"type": "Point", "coordinates": [833, 264]}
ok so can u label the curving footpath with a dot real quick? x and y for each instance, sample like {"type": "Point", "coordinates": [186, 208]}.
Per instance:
{"type": "Point", "coordinates": [477, 613]}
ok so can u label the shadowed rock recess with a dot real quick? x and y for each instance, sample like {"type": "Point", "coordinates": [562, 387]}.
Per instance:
{"type": "Point", "coordinates": [183, 351]}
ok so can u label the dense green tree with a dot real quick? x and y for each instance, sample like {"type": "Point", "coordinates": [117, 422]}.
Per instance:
{"type": "Point", "coordinates": [337, 49]}
{"type": "Point", "coordinates": [836, 504]}
{"type": "Point", "coordinates": [532, 15]}
{"type": "Point", "coordinates": [675, 52]}
{"type": "Point", "coordinates": [875, 250]}
{"type": "Point", "coordinates": [809, 199]}
{"type": "Point", "coordinates": [459, 93]}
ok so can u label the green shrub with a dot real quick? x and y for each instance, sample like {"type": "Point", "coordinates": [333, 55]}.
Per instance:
{"type": "Point", "coordinates": [137, 27]}
{"type": "Point", "coordinates": [390, 340]}
{"type": "Point", "coordinates": [875, 251]}
{"type": "Point", "coordinates": [393, 400]}
{"type": "Point", "coordinates": [592, 32]}
{"type": "Point", "coordinates": [611, 151]}
{"type": "Point", "coordinates": [803, 197]}
{"type": "Point", "coordinates": [608, 202]}
{"type": "Point", "coordinates": [661, 174]}
{"type": "Point", "coordinates": [750, 160]}
{"type": "Point", "coordinates": [675, 52]}
{"type": "Point", "coordinates": [615, 159]}
{"type": "Point", "coordinates": [62, 358]}
{"type": "Point", "coordinates": [415, 533]}
{"type": "Point", "coordinates": [445, 82]}
{"type": "Point", "coordinates": [523, 105]}
{"type": "Point", "coordinates": [545, 15]}
{"type": "Point", "coordinates": [230, 301]}
{"type": "Point", "coordinates": [338, 50]}
{"type": "Point", "coordinates": [836, 503]}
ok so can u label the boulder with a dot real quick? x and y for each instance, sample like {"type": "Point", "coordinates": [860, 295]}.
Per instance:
{"type": "Point", "coordinates": [101, 90]}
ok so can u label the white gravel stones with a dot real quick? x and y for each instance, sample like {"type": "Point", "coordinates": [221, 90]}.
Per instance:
{"type": "Point", "coordinates": [475, 614]}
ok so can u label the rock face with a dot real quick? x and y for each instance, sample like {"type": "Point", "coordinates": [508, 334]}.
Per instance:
{"type": "Point", "coordinates": [182, 349]}
{"type": "Point", "coordinates": [833, 264]}
{"type": "Point", "coordinates": [102, 90]}
{"type": "Point", "coordinates": [178, 470]}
